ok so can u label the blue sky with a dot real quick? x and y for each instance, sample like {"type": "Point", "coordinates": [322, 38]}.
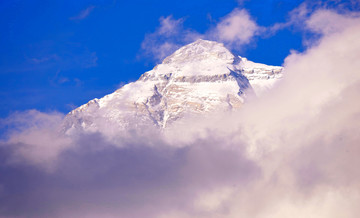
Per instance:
{"type": "Point", "coordinates": [56, 55]}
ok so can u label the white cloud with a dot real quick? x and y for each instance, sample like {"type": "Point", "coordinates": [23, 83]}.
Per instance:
{"type": "Point", "coordinates": [327, 21]}
{"type": "Point", "coordinates": [168, 37]}
{"type": "Point", "coordinates": [236, 28]}
{"type": "Point", "coordinates": [169, 26]}
{"type": "Point", "coordinates": [296, 18]}
{"type": "Point", "coordinates": [322, 17]}
{"type": "Point", "coordinates": [36, 139]}
{"type": "Point", "coordinates": [302, 135]}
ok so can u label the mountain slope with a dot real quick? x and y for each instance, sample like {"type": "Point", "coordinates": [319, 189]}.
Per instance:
{"type": "Point", "coordinates": [200, 77]}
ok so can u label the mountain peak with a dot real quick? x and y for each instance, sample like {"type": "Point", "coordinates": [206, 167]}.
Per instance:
{"type": "Point", "coordinates": [200, 50]}
{"type": "Point", "coordinates": [198, 78]}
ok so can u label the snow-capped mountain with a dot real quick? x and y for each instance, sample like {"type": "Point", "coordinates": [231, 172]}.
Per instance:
{"type": "Point", "coordinates": [200, 77]}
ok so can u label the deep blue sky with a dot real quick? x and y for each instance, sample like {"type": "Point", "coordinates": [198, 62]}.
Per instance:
{"type": "Point", "coordinates": [56, 54]}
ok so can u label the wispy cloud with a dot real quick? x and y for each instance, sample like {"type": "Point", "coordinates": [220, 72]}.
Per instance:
{"type": "Point", "coordinates": [169, 36]}
{"type": "Point", "coordinates": [83, 14]}
{"type": "Point", "coordinates": [235, 29]}
{"type": "Point", "coordinates": [45, 59]}
{"type": "Point", "coordinates": [82, 58]}
{"type": "Point", "coordinates": [238, 29]}
{"type": "Point", "coordinates": [342, 11]}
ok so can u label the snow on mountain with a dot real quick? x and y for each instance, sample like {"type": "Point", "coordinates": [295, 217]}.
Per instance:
{"type": "Point", "coordinates": [261, 77]}
{"type": "Point", "coordinates": [200, 77]}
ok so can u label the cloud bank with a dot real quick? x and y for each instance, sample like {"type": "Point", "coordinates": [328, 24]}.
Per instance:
{"type": "Point", "coordinates": [293, 152]}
